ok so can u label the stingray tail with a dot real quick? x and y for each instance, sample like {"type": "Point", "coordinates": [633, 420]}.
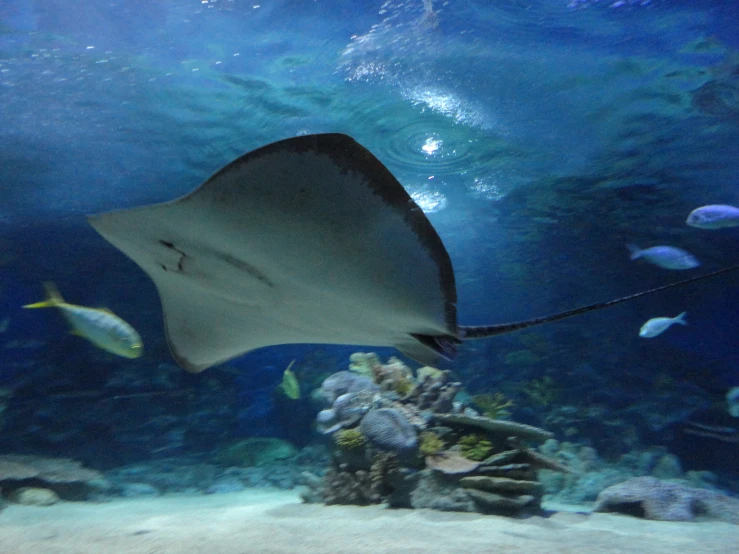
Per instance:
{"type": "Point", "coordinates": [483, 331]}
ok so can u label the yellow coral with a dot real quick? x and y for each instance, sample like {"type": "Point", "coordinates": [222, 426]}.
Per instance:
{"type": "Point", "coordinates": [430, 444]}
{"type": "Point", "coordinates": [349, 439]}
{"type": "Point", "coordinates": [475, 447]}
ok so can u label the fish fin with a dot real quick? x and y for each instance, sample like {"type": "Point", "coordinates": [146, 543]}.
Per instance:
{"type": "Point", "coordinates": [634, 250]}
{"type": "Point", "coordinates": [53, 297]}
{"type": "Point", "coordinates": [680, 319]}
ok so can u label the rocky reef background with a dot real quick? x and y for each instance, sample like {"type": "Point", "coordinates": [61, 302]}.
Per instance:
{"type": "Point", "coordinates": [377, 431]}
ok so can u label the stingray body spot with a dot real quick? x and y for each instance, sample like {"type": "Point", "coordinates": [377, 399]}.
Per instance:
{"type": "Point", "coordinates": [248, 269]}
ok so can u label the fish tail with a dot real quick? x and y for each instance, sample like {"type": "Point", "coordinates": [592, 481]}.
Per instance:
{"type": "Point", "coordinates": [680, 319]}
{"type": "Point", "coordinates": [634, 250]}
{"type": "Point", "coordinates": [53, 297]}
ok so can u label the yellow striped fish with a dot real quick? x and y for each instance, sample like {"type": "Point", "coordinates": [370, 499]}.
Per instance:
{"type": "Point", "coordinates": [98, 325]}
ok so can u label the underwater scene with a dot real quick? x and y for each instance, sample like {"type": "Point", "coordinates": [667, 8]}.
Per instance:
{"type": "Point", "coordinates": [403, 276]}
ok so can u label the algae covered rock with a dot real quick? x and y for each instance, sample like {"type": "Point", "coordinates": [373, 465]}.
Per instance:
{"type": "Point", "coordinates": [255, 451]}
{"type": "Point", "coordinates": [666, 501]}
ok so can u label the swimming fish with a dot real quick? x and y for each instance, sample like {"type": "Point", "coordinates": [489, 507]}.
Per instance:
{"type": "Point", "coordinates": [714, 216]}
{"type": "Point", "coordinates": [290, 385]}
{"type": "Point", "coordinates": [306, 240]}
{"type": "Point", "coordinates": [668, 257]}
{"type": "Point", "coordinates": [658, 325]}
{"type": "Point", "coordinates": [98, 325]}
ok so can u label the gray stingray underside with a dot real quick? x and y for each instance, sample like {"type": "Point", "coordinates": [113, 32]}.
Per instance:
{"type": "Point", "coordinates": [306, 240]}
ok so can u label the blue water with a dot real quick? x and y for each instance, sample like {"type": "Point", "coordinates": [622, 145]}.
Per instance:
{"type": "Point", "coordinates": [540, 137]}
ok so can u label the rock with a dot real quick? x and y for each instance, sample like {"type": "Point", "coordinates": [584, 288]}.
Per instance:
{"type": "Point", "coordinates": [225, 485]}
{"type": "Point", "coordinates": [489, 502]}
{"type": "Point", "coordinates": [666, 501]}
{"type": "Point", "coordinates": [497, 426]}
{"type": "Point", "coordinates": [34, 496]}
{"type": "Point", "coordinates": [513, 471]}
{"type": "Point", "coordinates": [500, 458]}
{"type": "Point", "coordinates": [668, 467]}
{"type": "Point", "coordinates": [502, 484]}
{"type": "Point", "coordinates": [451, 463]}
{"type": "Point", "coordinates": [435, 492]}
{"type": "Point", "coordinates": [132, 490]}
{"type": "Point", "coordinates": [255, 451]}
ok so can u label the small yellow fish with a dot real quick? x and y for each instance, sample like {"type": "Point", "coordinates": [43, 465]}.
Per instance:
{"type": "Point", "coordinates": [290, 385]}
{"type": "Point", "coordinates": [100, 326]}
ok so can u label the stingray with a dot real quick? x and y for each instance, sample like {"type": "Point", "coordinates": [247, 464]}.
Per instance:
{"type": "Point", "coordinates": [306, 240]}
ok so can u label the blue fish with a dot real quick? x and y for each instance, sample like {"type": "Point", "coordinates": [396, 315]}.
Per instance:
{"type": "Point", "coordinates": [714, 216]}
{"type": "Point", "coordinates": [668, 257]}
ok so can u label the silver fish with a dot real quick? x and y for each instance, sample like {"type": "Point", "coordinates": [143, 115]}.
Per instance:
{"type": "Point", "coordinates": [658, 325]}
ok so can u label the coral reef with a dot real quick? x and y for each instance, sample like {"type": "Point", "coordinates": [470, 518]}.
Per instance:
{"type": "Point", "coordinates": [667, 501]}
{"type": "Point", "coordinates": [434, 392]}
{"type": "Point", "coordinates": [426, 448]}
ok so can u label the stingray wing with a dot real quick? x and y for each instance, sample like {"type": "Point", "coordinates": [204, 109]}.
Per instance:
{"type": "Point", "coordinates": [306, 240]}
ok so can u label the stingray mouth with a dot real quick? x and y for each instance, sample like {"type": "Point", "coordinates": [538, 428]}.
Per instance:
{"type": "Point", "coordinates": [444, 345]}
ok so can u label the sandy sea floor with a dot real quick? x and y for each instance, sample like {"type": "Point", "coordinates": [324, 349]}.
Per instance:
{"type": "Point", "coordinates": [266, 521]}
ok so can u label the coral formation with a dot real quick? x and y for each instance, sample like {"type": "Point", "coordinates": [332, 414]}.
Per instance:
{"type": "Point", "coordinates": [349, 439]}
{"type": "Point", "coordinates": [405, 469]}
{"type": "Point", "coordinates": [344, 382]}
{"type": "Point", "coordinates": [388, 429]}
{"type": "Point", "coordinates": [340, 485]}
{"type": "Point", "coordinates": [435, 392]}
{"type": "Point", "coordinates": [346, 410]}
